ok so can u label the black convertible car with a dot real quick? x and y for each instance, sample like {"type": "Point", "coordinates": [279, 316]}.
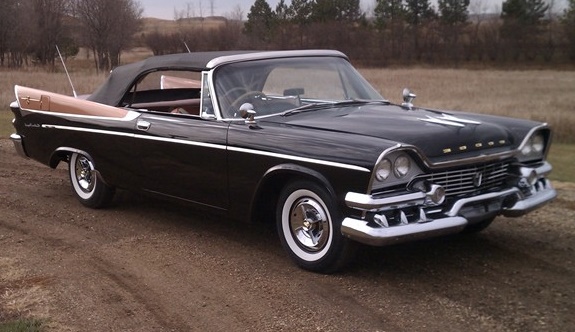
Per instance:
{"type": "Point", "coordinates": [298, 138]}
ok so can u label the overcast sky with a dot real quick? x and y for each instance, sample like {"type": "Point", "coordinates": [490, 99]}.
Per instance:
{"type": "Point", "coordinates": [165, 8]}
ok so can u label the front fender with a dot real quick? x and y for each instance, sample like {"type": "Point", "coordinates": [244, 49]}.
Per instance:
{"type": "Point", "coordinates": [272, 182]}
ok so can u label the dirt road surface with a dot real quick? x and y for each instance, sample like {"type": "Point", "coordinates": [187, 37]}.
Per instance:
{"type": "Point", "coordinates": [147, 265]}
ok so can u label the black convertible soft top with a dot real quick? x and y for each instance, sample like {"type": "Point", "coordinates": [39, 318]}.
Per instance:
{"type": "Point", "coordinates": [122, 78]}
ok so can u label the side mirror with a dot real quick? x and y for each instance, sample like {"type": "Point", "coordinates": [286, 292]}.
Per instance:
{"type": "Point", "coordinates": [408, 97]}
{"type": "Point", "coordinates": [247, 112]}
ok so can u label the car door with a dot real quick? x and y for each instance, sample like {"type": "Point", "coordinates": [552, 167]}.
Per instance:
{"type": "Point", "coordinates": [183, 157]}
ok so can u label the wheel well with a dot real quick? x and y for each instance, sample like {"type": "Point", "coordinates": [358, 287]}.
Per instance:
{"type": "Point", "coordinates": [63, 154]}
{"type": "Point", "coordinates": [266, 198]}
{"type": "Point", "coordinates": [58, 156]}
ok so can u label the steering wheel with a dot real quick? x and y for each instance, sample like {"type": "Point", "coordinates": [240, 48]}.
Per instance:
{"type": "Point", "coordinates": [239, 90]}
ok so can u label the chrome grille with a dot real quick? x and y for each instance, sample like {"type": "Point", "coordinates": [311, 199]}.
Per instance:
{"type": "Point", "coordinates": [479, 178]}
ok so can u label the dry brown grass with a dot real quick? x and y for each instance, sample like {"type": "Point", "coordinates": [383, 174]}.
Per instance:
{"type": "Point", "coordinates": [170, 26]}
{"type": "Point", "coordinates": [21, 295]}
{"type": "Point", "coordinates": [542, 95]}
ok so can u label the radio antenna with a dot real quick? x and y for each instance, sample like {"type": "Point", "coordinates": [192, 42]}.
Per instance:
{"type": "Point", "coordinates": [66, 70]}
{"type": "Point", "coordinates": [187, 47]}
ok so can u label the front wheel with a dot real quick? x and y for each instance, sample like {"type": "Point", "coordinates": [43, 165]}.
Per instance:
{"type": "Point", "coordinates": [309, 227]}
{"type": "Point", "coordinates": [87, 185]}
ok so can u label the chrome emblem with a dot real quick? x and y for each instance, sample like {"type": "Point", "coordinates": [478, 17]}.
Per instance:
{"type": "Point", "coordinates": [478, 180]}
{"type": "Point", "coordinates": [449, 120]}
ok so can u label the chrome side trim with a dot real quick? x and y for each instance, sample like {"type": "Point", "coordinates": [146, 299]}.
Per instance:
{"type": "Point", "coordinates": [88, 130]}
{"type": "Point", "coordinates": [213, 146]}
{"type": "Point", "coordinates": [302, 159]}
{"type": "Point", "coordinates": [18, 145]}
{"type": "Point", "coordinates": [360, 231]}
{"type": "Point", "coordinates": [181, 141]}
{"type": "Point", "coordinates": [151, 138]}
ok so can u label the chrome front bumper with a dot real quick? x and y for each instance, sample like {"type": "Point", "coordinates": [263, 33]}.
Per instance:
{"type": "Point", "coordinates": [446, 219]}
{"type": "Point", "coordinates": [18, 145]}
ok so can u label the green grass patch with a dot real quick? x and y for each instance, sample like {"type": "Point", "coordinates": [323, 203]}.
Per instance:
{"type": "Point", "coordinates": [6, 127]}
{"type": "Point", "coordinates": [562, 157]}
{"type": "Point", "coordinates": [22, 325]}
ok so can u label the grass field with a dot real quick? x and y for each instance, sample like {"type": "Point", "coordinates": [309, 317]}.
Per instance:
{"type": "Point", "coordinates": [542, 95]}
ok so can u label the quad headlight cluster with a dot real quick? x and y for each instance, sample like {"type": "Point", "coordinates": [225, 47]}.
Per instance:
{"type": "Point", "coordinates": [398, 166]}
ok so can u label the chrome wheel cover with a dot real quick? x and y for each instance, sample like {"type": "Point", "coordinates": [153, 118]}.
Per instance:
{"type": "Point", "coordinates": [84, 171]}
{"type": "Point", "coordinates": [309, 224]}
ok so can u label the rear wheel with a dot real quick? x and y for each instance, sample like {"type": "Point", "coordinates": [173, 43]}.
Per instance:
{"type": "Point", "coordinates": [87, 185]}
{"type": "Point", "coordinates": [309, 227]}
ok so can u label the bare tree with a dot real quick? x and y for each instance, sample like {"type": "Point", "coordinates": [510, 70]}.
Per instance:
{"type": "Point", "coordinates": [237, 14]}
{"type": "Point", "coordinates": [31, 29]}
{"type": "Point", "coordinates": [568, 22]}
{"type": "Point", "coordinates": [49, 28]}
{"type": "Point", "coordinates": [390, 21]}
{"type": "Point", "coordinates": [523, 26]}
{"type": "Point", "coordinates": [108, 27]}
{"type": "Point", "coordinates": [212, 8]}
{"type": "Point", "coordinates": [8, 22]}
{"type": "Point", "coordinates": [185, 13]}
{"type": "Point", "coordinates": [453, 19]}
{"type": "Point", "coordinates": [419, 14]}
{"type": "Point", "coordinates": [478, 10]}
{"type": "Point", "coordinates": [201, 8]}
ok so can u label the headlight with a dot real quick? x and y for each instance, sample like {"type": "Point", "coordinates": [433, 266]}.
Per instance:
{"type": "Point", "coordinates": [526, 151]}
{"type": "Point", "coordinates": [401, 166]}
{"type": "Point", "coordinates": [538, 143]}
{"type": "Point", "coordinates": [383, 170]}
{"type": "Point", "coordinates": [394, 168]}
{"type": "Point", "coordinates": [533, 147]}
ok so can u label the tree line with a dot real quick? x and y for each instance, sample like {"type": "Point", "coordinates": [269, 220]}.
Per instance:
{"type": "Point", "coordinates": [406, 31]}
{"type": "Point", "coordinates": [392, 32]}
{"type": "Point", "coordinates": [31, 29]}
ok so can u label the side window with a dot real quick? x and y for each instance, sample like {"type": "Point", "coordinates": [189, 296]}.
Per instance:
{"type": "Point", "coordinates": [176, 92]}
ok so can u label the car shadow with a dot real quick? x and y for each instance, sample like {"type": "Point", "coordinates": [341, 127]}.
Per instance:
{"type": "Point", "coordinates": [455, 252]}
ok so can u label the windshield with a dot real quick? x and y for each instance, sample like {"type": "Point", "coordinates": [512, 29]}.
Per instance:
{"type": "Point", "coordinates": [277, 85]}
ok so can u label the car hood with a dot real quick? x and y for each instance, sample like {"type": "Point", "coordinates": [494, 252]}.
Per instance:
{"type": "Point", "coordinates": [437, 134]}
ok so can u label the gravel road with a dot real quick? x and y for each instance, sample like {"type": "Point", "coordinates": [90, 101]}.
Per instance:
{"type": "Point", "coordinates": [148, 265]}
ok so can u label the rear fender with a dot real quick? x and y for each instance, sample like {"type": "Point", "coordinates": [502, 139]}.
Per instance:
{"type": "Point", "coordinates": [63, 154]}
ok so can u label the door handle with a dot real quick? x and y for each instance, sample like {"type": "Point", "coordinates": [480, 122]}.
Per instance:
{"type": "Point", "coordinates": [143, 125]}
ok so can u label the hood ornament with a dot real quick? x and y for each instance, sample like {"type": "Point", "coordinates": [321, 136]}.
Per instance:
{"type": "Point", "coordinates": [408, 97]}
